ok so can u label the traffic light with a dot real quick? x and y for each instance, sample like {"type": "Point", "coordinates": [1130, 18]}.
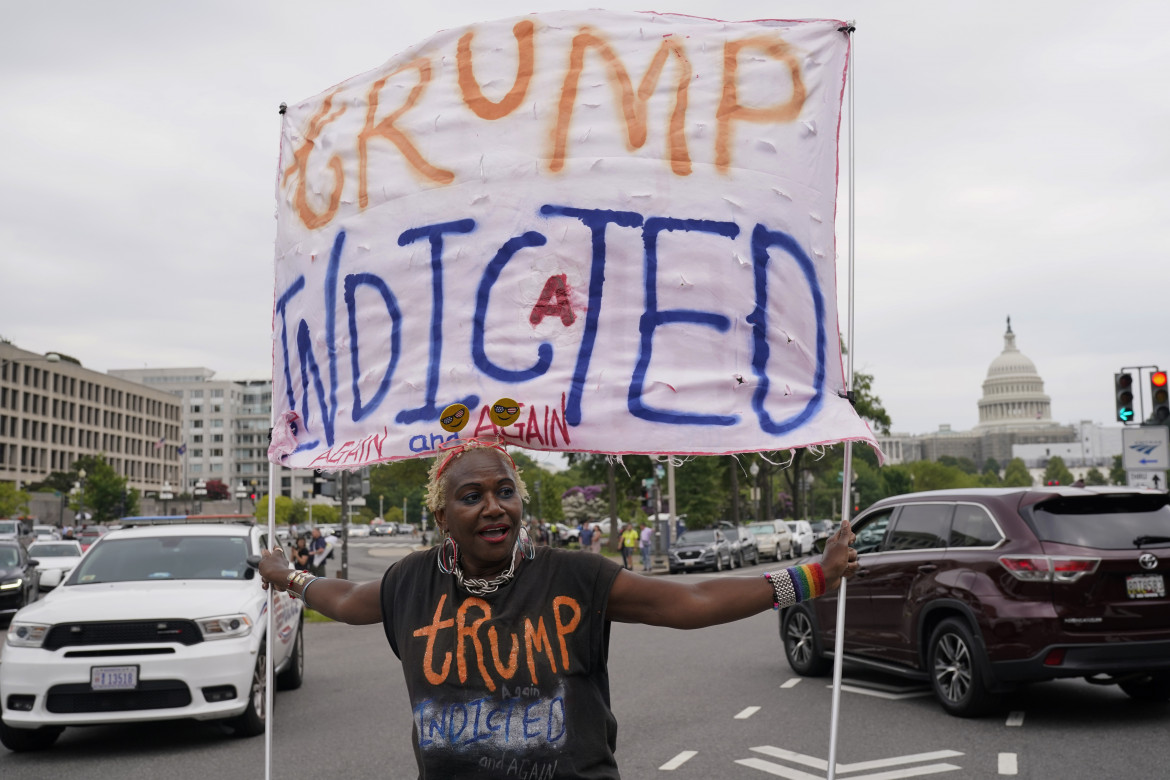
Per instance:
{"type": "Point", "coordinates": [1159, 397]}
{"type": "Point", "coordinates": [324, 484]}
{"type": "Point", "coordinates": [1123, 393]}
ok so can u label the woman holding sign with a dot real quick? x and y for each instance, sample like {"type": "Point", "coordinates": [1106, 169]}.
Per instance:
{"type": "Point", "coordinates": [504, 644]}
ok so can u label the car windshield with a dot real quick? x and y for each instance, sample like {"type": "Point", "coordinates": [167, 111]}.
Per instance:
{"type": "Point", "coordinates": [792, 527]}
{"type": "Point", "coordinates": [1105, 522]}
{"type": "Point", "coordinates": [7, 527]}
{"type": "Point", "coordinates": [697, 537]}
{"type": "Point", "coordinates": [55, 550]}
{"type": "Point", "coordinates": [164, 558]}
{"type": "Point", "coordinates": [761, 530]}
{"type": "Point", "coordinates": [8, 556]}
{"type": "Point", "coordinates": [90, 534]}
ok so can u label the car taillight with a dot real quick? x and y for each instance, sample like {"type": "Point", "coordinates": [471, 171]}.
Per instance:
{"type": "Point", "coordinates": [1048, 568]}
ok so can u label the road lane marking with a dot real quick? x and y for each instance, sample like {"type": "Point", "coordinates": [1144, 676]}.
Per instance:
{"type": "Point", "coordinates": [746, 713]}
{"type": "Point", "coordinates": [779, 770]}
{"type": "Point", "coordinates": [1007, 764]}
{"type": "Point", "coordinates": [883, 694]}
{"type": "Point", "coordinates": [820, 764]}
{"type": "Point", "coordinates": [791, 682]}
{"type": "Point", "coordinates": [1015, 718]}
{"type": "Point", "coordinates": [678, 760]}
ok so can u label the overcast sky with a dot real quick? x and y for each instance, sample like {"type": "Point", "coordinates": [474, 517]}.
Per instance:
{"type": "Point", "coordinates": [1011, 158]}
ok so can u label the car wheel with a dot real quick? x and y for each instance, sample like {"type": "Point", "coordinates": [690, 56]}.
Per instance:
{"type": "Point", "coordinates": [25, 740]}
{"type": "Point", "coordinates": [1148, 687]}
{"type": "Point", "coordinates": [292, 677]}
{"type": "Point", "coordinates": [718, 562]}
{"type": "Point", "coordinates": [801, 647]}
{"type": "Point", "coordinates": [251, 722]}
{"type": "Point", "coordinates": [736, 560]}
{"type": "Point", "coordinates": [956, 670]}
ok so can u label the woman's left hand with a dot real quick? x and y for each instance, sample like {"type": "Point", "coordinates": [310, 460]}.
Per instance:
{"type": "Point", "coordinates": [839, 560]}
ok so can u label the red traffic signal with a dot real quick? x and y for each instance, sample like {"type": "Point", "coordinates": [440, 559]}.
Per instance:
{"type": "Point", "coordinates": [1159, 397]}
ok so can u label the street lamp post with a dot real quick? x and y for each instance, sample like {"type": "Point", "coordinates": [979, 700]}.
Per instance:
{"type": "Point", "coordinates": [80, 496]}
{"type": "Point", "coordinates": [241, 494]}
{"type": "Point", "coordinates": [755, 470]}
{"type": "Point", "coordinates": [166, 495]}
{"type": "Point", "coordinates": [200, 494]}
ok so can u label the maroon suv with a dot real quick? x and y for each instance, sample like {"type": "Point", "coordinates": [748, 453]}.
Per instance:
{"type": "Point", "coordinates": [981, 590]}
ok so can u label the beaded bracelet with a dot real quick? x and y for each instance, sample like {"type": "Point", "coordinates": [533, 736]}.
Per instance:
{"type": "Point", "coordinates": [305, 591]}
{"type": "Point", "coordinates": [796, 584]}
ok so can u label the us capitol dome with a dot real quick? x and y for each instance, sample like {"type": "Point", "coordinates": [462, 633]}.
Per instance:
{"type": "Point", "coordinates": [1013, 392]}
{"type": "Point", "coordinates": [1013, 410]}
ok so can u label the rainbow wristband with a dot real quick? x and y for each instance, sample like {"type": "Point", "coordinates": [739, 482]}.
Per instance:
{"type": "Point", "coordinates": [796, 584]}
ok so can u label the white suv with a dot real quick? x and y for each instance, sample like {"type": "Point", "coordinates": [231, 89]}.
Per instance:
{"type": "Point", "coordinates": [156, 622]}
{"type": "Point", "coordinates": [803, 537]}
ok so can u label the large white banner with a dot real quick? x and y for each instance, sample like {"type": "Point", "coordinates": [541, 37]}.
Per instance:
{"type": "Point", "coordinates": [582, 231]}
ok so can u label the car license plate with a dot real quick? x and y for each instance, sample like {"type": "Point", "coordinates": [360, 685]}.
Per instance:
{"type": "Point", "coordinates": [1145, 586]}
{"type": "Point", "coordinates": [689, 563]}
{"type": "Point", "coordinates": [113, 678]}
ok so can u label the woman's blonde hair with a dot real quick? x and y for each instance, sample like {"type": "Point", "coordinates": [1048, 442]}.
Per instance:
{"type": "Point", "coordinates": [436, 497]}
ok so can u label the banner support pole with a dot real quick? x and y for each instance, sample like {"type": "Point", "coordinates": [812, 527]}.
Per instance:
{"type": "Point", "coordinates": [847, 472]}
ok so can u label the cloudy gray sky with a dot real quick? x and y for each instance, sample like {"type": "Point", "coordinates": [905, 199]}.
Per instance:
{"type": "Point", "coordinates": [1011, 158]}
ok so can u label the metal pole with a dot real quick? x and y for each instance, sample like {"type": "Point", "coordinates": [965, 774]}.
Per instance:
{"type": "Point", "coordinates": [839, 639]}
{"type": "Point", "coordinates": [345, 525]}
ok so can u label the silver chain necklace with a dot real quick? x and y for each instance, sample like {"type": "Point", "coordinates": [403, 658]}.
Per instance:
{"type": "Point", "coordinates": [480, 587]}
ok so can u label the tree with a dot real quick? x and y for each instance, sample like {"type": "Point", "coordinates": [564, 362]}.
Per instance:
{"type": "Point", "coordinates": [1095, 477]}
{"type": "Point", "coordinates": [217, 491]}
{"type": "Point", "coordinates": [284, 509]}
{"type": "Point", "coordinates": [12, 501]}
{"type": "Point", "coordinates": [579, 504]}
{"type": "Point", "coordinates": [1117, 475]}
{"type": "Point", "coordinates": [104, 494]}
{"type": "Point", "coordinates": [1056, 472]}
{"type": "Point", "coordinates": [1016, 474]}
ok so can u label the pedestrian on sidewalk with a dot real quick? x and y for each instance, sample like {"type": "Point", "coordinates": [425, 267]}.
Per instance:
{"type": "Point", "coordinates": [511, 641]}
{"type": "Point", "coordinates": [629, 543]}
{"type": "Point", "coordinates": [585, 535]}
{"type": "Point", "coordinates": [644, 542]}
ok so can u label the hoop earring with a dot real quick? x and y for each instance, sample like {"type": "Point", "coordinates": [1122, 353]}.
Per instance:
{"type": "Point", "coordinates": [527, 548]}
{"type": "Point", "coordinates": [448, 555]}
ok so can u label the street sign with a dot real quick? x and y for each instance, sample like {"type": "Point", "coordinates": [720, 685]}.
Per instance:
{"type": "Point", "coordinates": [1145, 448]}
{"type": "Point", "coordinates": [1146, 479]}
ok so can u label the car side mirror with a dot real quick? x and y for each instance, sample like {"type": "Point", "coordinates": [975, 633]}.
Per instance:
{"type": "Point", "coordinates": [33, 562]}
{"type": "Point", "coordinates": [819, 545]}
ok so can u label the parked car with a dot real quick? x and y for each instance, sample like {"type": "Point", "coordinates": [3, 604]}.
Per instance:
{"type": "Point", "coordinates": [823, 529]}
{"type": "Point", "coordinates": [90, 534]}
{"type": "Point", "coordinates": [705, 548]}
{"type": "Point", "coordinates": [773, 539]}
{"type": "Point", "coordinates": [358, 530]}
{"type": "Point", "coordinates": [55, 559]}
{"type": "Point", "coordinates": [16, 530]}
{"type": "Point", "coordinates": [743, 544]}
{"type": "Point", "coordinates": [46, 532]}
{"type": "Point", "coordinates": [156, 622]}
{"type": "Point", "coordinates": [18, 577]}
{"type": "Point", "coordinates": [803, 537]}
{"type": "Point", "coordinates": [979, 591]}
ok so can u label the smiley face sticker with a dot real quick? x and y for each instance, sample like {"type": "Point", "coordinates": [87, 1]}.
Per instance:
{"type": "Point", "coordinates": [454, 417]}
{"type": "Point", "coordinates": [504, 412]}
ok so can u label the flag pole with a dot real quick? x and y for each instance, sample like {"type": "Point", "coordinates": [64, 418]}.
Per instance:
{"type": "Point", "coordinates": [847, 473]}
{"type": "Point", "coordinates": [268, 681]}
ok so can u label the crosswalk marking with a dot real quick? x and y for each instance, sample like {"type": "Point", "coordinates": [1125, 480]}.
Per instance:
{"type": "Point", "coordinates": [1015, 718]}
{"type": "Point", "coordinates": [746, 713]}
{"type": "Point", "coordinates": [1007, 764]}
{"type": "Point", "coordinates": [791, 682]}
{"type": "Point", "coordinates": [678, 760]}
{"type": "Point", "coordinates": [895, 766]}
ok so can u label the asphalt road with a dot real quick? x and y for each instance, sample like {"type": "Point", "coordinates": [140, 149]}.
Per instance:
{"type": "Point", "coordinates": [715, 703]}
